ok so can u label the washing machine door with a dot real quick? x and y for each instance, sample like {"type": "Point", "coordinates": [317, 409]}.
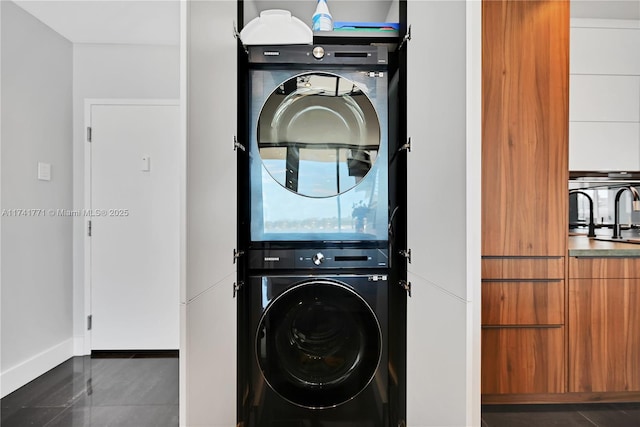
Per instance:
{"type": "Point", "coordinates": [318, 344]}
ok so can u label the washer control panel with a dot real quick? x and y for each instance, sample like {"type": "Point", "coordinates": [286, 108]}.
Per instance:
{"type": "Point", "coordinates": [326, 258]}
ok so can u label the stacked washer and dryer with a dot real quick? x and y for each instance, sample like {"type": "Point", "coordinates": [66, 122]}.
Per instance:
{"type": "Point", "coordinates": [321, 305]}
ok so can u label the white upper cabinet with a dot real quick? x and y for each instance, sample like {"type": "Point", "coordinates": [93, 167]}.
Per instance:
{"type": "Point", "coordinates": [211, 162]}
{"type": "Point", "coordinates": [604, 111]}
{"type": "Point", "coordinates": [605, 50]}
{"type": "Point", "coordinates": [436, 102]}
{"type": "Point", "coordinates": [603, 146]}
{"type": "Point", "coordinates": [604, 98]}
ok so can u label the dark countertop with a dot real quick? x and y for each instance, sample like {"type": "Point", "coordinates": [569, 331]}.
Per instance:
{"type": "Point", "coordinates": [582, 246]}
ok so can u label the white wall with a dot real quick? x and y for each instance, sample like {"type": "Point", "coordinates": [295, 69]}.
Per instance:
{"type": "Point", "coordinates": [110, 71]}
{"type": "Point", "coordinates": [45, 80]}
{"type": "Point", "coordinates": [36, 250]}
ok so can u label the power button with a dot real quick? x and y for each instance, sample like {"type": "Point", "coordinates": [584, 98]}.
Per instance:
{"type": "Point", "coordinates": [318, 52]}
{"type": "Point", "coordinates": [318, 258]}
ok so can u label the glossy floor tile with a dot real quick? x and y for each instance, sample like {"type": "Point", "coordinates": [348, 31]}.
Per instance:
{"type": "Point", "coordinates": [569, 415]}
{"type": "Point", "coordinates": [119, 391]}
{"type": "Point", "coordinates": [140, 390]}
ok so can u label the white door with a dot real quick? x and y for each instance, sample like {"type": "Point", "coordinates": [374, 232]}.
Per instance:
{"type": "Point", "coordinates": [134, 243]}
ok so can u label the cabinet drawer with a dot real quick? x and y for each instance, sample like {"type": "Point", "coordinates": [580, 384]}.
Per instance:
{"type": "Point", "coordinates": [604, 337]}
{"type": "Point", "coordinates": [523, 303]}
{"type": "Point", "coordinates": [523, 268]}
{"type": "Point", "coordinates": [523, 360]}
{"type": "Point", "coordinates": [609, 267]}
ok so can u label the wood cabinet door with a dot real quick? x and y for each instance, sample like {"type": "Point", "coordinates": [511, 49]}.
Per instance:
{"type": "Point", "coordinates": [525, 104]}
{"type": "Point", "coordinates": [523, 360]}
{"type": "Point", "coordinates": [523, 303]}
{"type": "Point", "coordinates": [604, 335]}
{"type": "Point", "coordinates": [609, 267]}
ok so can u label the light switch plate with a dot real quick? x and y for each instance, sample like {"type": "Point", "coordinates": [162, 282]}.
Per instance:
{"type": "Point", "coordinates": [44, 171]}
{"type": "Point", "coordinates": [145, 166]}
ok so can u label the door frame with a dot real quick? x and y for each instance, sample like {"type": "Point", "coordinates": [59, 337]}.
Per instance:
{"type": "Point", "coordinates": [88, 104]}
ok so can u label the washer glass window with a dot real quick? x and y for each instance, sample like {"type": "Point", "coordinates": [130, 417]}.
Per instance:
{"type": "Point", "coordinates": [318, 344]}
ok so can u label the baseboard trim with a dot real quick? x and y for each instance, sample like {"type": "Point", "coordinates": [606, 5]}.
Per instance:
{"type": "Point", "coordinates": [30, 369]}
{"type": "Point", "coordinates": [569, 397]}
{"type": "Point", "coordinates": [134, 354]}
{"type": "Point", "coordinates": [78, 346]}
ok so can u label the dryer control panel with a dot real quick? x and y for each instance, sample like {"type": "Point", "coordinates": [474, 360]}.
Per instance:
{"type": "Point", "coordinates": [325, 258]}
{"type": "Point", "coordinates": [316, 55]}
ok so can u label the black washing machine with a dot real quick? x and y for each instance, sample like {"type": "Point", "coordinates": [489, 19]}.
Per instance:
{"type": "Point", "coordinates": [315, 346]}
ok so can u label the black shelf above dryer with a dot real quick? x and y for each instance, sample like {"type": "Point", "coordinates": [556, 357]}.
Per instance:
{"type": "Point", "coordinates": [389, 38]}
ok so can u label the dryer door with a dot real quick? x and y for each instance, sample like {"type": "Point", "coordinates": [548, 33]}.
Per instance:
{"type": "Point", "coordinates": [319, 142]}
{"type": "Point", "coordinates": [318, 344]}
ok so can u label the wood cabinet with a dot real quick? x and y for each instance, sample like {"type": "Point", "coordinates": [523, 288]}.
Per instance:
{"type": "Point", "coordinates": [604, 325]}
{"type": "Point", "coordinates": [525, 100]}
{"type": "Point", "coordinates": [522, 360]}
{"type": "Point", "coordinates": [523, 268]}
{"type": "Point", "coordinates": [523, 301]}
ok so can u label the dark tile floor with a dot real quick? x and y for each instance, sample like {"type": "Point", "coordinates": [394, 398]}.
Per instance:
{"type": "Point", "coordinates": [140, 390]}
{"type": "Point", "coordinates": [572, 415]}
{"type": "Point", "coordinates": [130, 391]}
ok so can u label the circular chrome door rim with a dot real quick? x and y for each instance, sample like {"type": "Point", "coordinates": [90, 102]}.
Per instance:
{"type": "Point", "coordinates": [337, 285]}
{"type": "Point", "coordinates": [350, 105]}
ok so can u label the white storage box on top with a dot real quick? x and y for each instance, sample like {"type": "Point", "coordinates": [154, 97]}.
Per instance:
{"type": "Point", "coordinates": [276, 27]}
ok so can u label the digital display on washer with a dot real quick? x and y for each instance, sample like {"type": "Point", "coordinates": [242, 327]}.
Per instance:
{"type": "Point", "coordinates": [318, 156]}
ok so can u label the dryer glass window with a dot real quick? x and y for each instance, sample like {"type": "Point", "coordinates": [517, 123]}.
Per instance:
{"type": "Point", "coordinates": [318, 344]}
{"type": "Point", "coordinates": [322, 131]}
{"type": "Point", "coordinates": [318, 157]}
